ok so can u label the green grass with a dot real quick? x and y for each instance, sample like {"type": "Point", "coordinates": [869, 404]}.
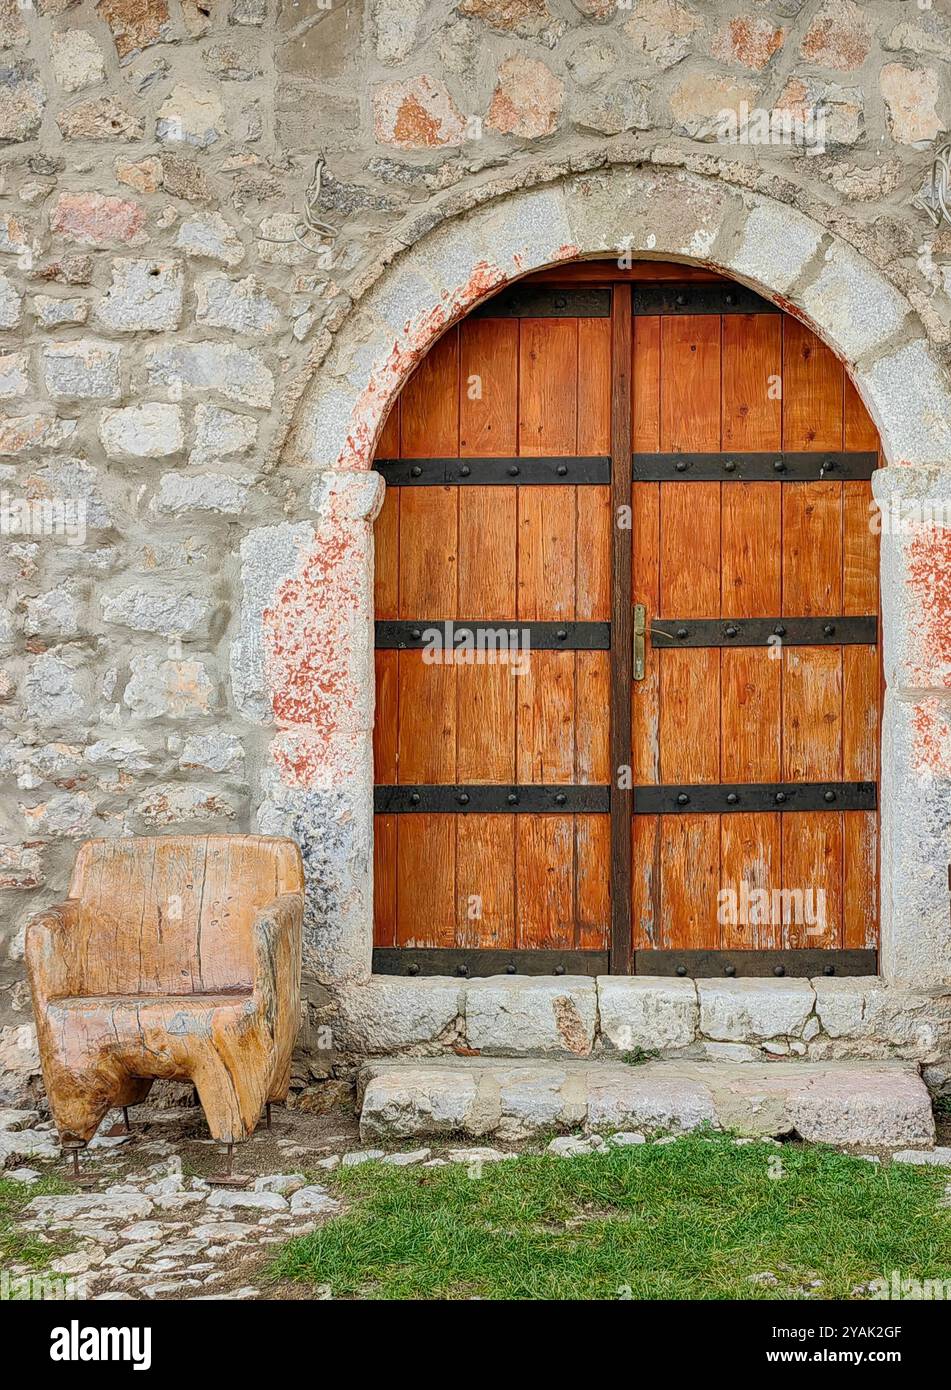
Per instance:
{"type": "Point", "coordinates": [691, 1220]}
{"type": "Point", "coordinates": [19, 1247]}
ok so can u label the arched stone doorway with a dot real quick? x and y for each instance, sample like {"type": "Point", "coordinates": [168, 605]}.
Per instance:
{"type": "Point", "coordinates": [303, 664]}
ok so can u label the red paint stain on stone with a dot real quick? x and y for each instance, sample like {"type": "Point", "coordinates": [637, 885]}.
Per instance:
{"type": "Point", "coordinates": [931, 745]}
{"type": "Point", "coordinates": [308, 640]}
{"type": "Point", "coordinates": [929, 576]}
{"type": "Point", "coordinates": [417, 338]}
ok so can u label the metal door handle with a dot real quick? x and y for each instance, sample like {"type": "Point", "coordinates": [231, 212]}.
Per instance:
{"type": "Point", "coordinates": [640, 630]}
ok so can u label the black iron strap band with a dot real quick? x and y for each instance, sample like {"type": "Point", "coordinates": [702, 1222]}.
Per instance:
{"type": "Point", "coordinates": [492, 800]}
{"type": "Point", "coordinates": [593, 470]}
{"type": "Point", "coordinates": [407, 961]}
{"type": "Point", "coordinates": [546, 302]}
{"type": "Point", "coordinates": [780, 466]}
{"type": "Point", "coordinates": [697, 297]}
{"type": "Point", "coordinates": [761, 632]}
{"type": "Point", "coordinates": [493, 635]}
{"type": "Point", "coordinates": [798, 964]}
{"type": "Point", "coordinates": [755, 796]}
{"type": "Point", "coordinates": [528, 799]}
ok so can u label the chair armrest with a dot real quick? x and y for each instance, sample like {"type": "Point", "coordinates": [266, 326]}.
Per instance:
{"type": "Point", "coordinates": [276, 933]}
{"type": "Point", "coordinates": [49, 951]}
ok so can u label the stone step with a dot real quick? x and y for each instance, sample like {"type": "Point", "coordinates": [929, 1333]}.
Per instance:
{"type": "Point", "coordinates": [881, 1105]}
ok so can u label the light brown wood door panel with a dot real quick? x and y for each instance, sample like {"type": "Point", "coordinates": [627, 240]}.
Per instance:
{"type": "Point", "coordinates": [509, 388]}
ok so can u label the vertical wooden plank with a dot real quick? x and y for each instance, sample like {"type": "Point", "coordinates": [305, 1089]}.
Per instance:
{"type": "Point", "coordinates": [426, 881]}
{"type": "Point", "coordinates": [427, 726]}
{"type": "Point", "coordinates": [752, 367]}
{"type": "Point", "coordinates": [544, 867]}
{"type": "Point", "coordinates": [485, 882]}
{"type": "Point", "coordinates": [593, 882]}
{"type": "Point", "coordinates": [813, 383]}
{"type": "Point", "coordinates": [592, 717]}
{"type": "Point", "coordinates": [690, 383]}
{"type": "Point", "coordinates": [545, 696]}
{"type": "Point", "coordinates": [752, 549]}
{"type": "Point", "coordinates": [429, 405]}
{"type": "Point", "coordinates": [750, 869]}
{"type": "Point", "coordinates": [485, 721]}
{"type": "Point", "coordinates": [812, 549]}
{"type": "Point", "coordinates": [690, 881]}
{"type": "Point", "coordinates": [812, 880]}
{"type": "Point", "coordinates": [594, 386]}
{"type": "Point", "coordinates": [548, 386]}
{"type": "Point", "coordinates": [546, 553]}
{"type": "Point", "coordinates": [860, 886]}
{"type": "Point", "coordinates": [385, 831]}
{"type": "Point", "coordinates": [594, 540]}
{"type": "Point", "coordinates": [812, 714]}
{"type": "Point", "coordinates": [860, 713]}
{"type": "Point", "coordinates": [751, 715]}
{"type": "Point", "coordinates": [690, 715]}
{"type": "Point", "coordinates": [860, 549]}
{"type": "Point", "coordinates": [622, 800]}
{"type": "Point", "coordinates": [386, 716]}
{"type": "Point", "coordinates": [488, 372]}
{"type": "Point", "coordinates": [646, 931]}
{"type": "Point", "coordinates": [488, 427]}
{"type": "Point", "coordinates": [428, 552]}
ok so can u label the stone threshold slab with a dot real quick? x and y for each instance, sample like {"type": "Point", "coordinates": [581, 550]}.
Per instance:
{"type": "Point", "coordinates": [881, 1105]}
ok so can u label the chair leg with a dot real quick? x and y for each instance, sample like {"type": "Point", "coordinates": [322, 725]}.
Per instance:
{"type": "Point", "coordinates": [71, 1151]}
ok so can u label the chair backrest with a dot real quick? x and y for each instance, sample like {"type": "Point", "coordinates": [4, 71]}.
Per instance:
{"type": "Point", "coordinates": [172, 914]}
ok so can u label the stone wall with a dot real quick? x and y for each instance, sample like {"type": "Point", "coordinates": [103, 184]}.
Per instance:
{"type": "Point", "coordinates": [161, 323]}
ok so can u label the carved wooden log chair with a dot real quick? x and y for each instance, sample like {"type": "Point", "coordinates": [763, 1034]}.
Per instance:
{"type": "Point", "coordinates": [174, 957]}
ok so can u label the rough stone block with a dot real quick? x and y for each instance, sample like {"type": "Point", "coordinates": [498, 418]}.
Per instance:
{"type": "Point", "coordinates": [642, 1098]}
{"type": "Point", "coordinates": [514, 1017]}
{"type": "Point", "coordinates": [651, 1014]}
{"type": "Point", "coordinates": [865, 1107]}
{"type": "Point", "coordinates": [145, 295]}
{"type": "Point", "coordinates": [388, 1013]}
{"type": "Point", "coordinates": [82, 370]}
{"type": "Point", "coordinates": [146, 431]}
{"type": "Point", "coordinates": [745, 1010]}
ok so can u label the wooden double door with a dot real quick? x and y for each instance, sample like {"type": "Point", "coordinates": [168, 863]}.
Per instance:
{"type": "Point", "coordinates": [627, 669]}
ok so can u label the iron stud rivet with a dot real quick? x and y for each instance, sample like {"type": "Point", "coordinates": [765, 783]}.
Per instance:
{"type": "Point", "coordinates": [682, 799]}
{"type": "Point", "coordinates": [729, 298]}
{"type": "Point", "coordinates": [414, 798]}
{"type": "Point", "coordinates": [779, 466]}
{"type": "Point", "coordinates": [416, 633]}
{"type": "Point", "coordinates": [828, 796]}
{"type": "Point", "coordinates": [559, 970]}
{"type": "Point", "coordinates": [412, 970]}
{"type": "Point", "coordinates": [465, 470]}
{"type": "Point", "coordinates": [731, 798]}
{"type": "Point", "coordinates": [560, 799]}
{"type": "Point", "coordinates": [729, 466]}
{"type": "Point", "coordinates": [562, 469]}
{"type": "Point", "coordinates": [828, 970]}
{"type": "Point", "coordinates": [681, 632]}
{"type": "Point", "coordinates": [681, 299]}
{"type": "Point", "coordinates": [513, 471]}
{"type": "Point", "coordinates": [416, 471]}
{"type": "Point", "coordinates": [731, 631]}
{"type": "Point", "coordinates": [560, 301]}
{"type": "Point", "coordinates": [828, 466]}
{"type": "Point", "coordinates": [828, 629]}
{"type": "Point", "coordinates": [780, 797]}
{"type": "Point", "coordinates": [729, 970]}
{"type": "Point", "coordinates": [561, 634]}
{"type": "Point", "coordinates": [463, 798]}
{"type": "Point", "coordinates": [779, 630]}
{"type": "Point", "coordinates": [681, 970]}
{"type": "Point", "coordinates": [779, 970]}
{"type": "Point", "coordinates": [512, 799]}
{"type": "Point", "coordinates": [462, 969]}
{"type": "Point", "coordinates": [510, 969]}
{"type": "Point", "coordinates": [681, 465]}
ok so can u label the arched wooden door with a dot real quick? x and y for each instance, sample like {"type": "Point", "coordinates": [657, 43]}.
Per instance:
{"type": "Point", "coordinates": [627, 668]}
